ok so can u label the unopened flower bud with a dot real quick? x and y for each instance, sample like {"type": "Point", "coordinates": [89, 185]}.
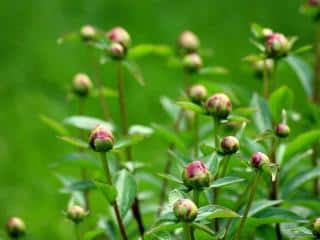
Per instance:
{"type": "Point", "coordinates": [76, 213]}
{"type": "Point", "coordinates": [230, 145]}
{"type": "Point", "coordinates": [15, 227]}
{"type": "Point", "coordinates": [218, 105]}
{"type": "Point", "coordinates": [101, 139]}
{"type": "Point", "coordinates": [263, 65]}
{"type": "Point", "coordinates": [196, 175]}
{"type": "Point", "coordinates": [314, 3]}
{"type": "Point", "coordinates": [266, 32]}
{"type": "Point", "coordinates": [81, 85]}
{"type": "Point", "coordinates": [277, 45]}
{"type": "Point", "coordinates": [282, 130]}
{"type": "Point", "coordinates": [116, 51]}
{"type": "Point", "coordinates": [88, 33]}
{"type": "Point", "coordinates": [192, 62]}
{"type": "Point", "coordinates": [316, 228]}
{"type": "Point", "coordinates": [198, 93]}
{"type": "Point", "coordinates": [185, 210]}
{"type": "Point", "coordinates": [188, 41]}
{"type": "Point", "coordinates": [120, 35]}
{"type": "Point", "coordinates": [258, 159]}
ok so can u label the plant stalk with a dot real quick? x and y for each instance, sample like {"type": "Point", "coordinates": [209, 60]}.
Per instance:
{"type": "Point", "coordinates": [187, 231]}
{"type": "Point", "coordinates": [266, 80]}
{"type": "Point", "coordinates": [250, 200]}
{"type": "Point", "coordinates": [77, 231]}
{"type": "Point", "coordinates": [114, 204]}
{"type": "Point", "coordinates": [196, 135]}
{"type": "Point", "coordinates": [216, 122]}
{"type": "Point", "coordinates": [135, 208]}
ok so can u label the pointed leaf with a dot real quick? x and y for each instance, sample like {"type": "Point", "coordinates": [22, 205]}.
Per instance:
{"type": "Point", "coordinates": [54, 124]}
{"type": "Point", "coordinates": [170, 178]}
{"type": "Point", "coordinates": [281, 99]}
{"type": "Point", "coordinates": [134, 70]}
{"type": "Point", "coordinates": [221, 182]}
{"type": "Point", "coordinates": [87, 123]}
{"type": "Point", "coordinates": [262, 118]}
{"type": "Point", "coordinates": [110, 192]}
{"type": "Point", "coordinates": [260, 205]}
{"type": "Point", "coordinates": [191, 106]}
{"type": "Point", "coordinates": [74, 141]}
{"type": "Point", "coordinates": [215, 211]}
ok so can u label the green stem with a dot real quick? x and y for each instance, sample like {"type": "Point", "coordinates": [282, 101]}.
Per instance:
{"type": "Point", "coordinates": [250, 200]}
{"type": "Point", "coordinates": [216, 122]}
{"type": "Point", "coordinates": [196, 135]}
{"type": "Point", "coordinates": [225, 166]}
{"type": "Point", "coordinates": [196, 195]}
{"type": "Point", "coordinates": [187, 231]}
{"type": "Point", "coordinates": [216, 144]}
{"type": "Point", "coordinates": [266, 80]}
{"type": "Point", "coordinates": [77, 231]}
{"type": "Point", "coordinates": [114, 204]}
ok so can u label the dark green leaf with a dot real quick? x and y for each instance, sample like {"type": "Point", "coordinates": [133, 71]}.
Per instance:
{"type": "Point", "coordinates": [78, 186]}
{"type": "Point", "coordinates": [215, 211]}
{"type": "Point", "coordinates": [110, 192]}
{"type": "Point", "coordinates": [260, 205]}
{"type": "Point", "coordinates": [165, 227]}
{"type": "Point", "coordinates": [204, 228]}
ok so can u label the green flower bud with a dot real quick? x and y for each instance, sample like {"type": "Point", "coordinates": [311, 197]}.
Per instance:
{"type": "Point", "coordinates": [116, 51]}
{"type": "Point", "coordinates": [185, 210]}
{"type": "Point", "coordinates": [230, 145]}
{"type": "Point", "coordinates": [119, 35]}
{"type": "Point", "coordinates": [76, 213]}
{"type": "Point", "coordinates": [282, 130]}
{"type": "Point", "coordinates": [88, 33]}
{"type": "Point", "coordinates": [15, 227]}
{"type": "Point", "coordinates": [192, 62]}
{"type": "Point", "coordinates": [277, 45]}
{"type": "Point", "coordinates": [81, 85]}
{"type": "Point", "coordinates": [196, 175]}
{"type": "Point", "coordinates": [218, 105]}
{"type": "Point", "coordinates": [188, 41]}
{"type": "Point", "coordinates": [197, 93]}
{"type": "Point", "coordinates": [258, 159]}
{"type": "Point", "coordinates": [316, 228]}
{"type": "Point", "coordinates": [101, 139]}
{"type": "Point", "coordinates": [261, 65]}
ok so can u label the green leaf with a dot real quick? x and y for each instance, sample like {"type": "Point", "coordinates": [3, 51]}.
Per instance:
{"type": "Point", "coordinates": [260, 205]}
{"type": "Point", "coordinates": [110, 192]}
{"type": "Point", "coordinates": [168, 135]}
{"type": "Point", "coordinates": [204, 228]}
{"type": "Point", "coordinates": [191, 106]}
{"type": "Point", "coordinates": [215, 211]}
{"type": "Point", "coordinates": [258, 45]}
{"type": "Point", "coordinates": [165, 227]}
{"type": "Point", "coordinates": [87, 123]}
{"type": "Point", "coordinates": [170, 107]}
{"type": "Point", "coordinates": [301, 143]}
{"type": "Point", "coordinates": [54, 124]}
{"type": "Point", "coordinates": [257, 30]}
{"type": "Point", "coordinates": [140, 130]}
{"type": "Point", "coordinates": [78, 186]}
{"type": "Point", "coordinates": [74, 141]}
{"type": "Point", "coordinates": [280, 99]}
{"type": "Point", "coordinates": [267, 134]}
{"type": "Point", "coordinates": [303, 49]}
{"type": "Point", "coordinates": [69, 37]}
{"type": "Point", "coordinates": [292, 184]}
{"type": "Point", "coordinates": [262, 118]}
{"type": "Point", "coordinates": [127, 142]}
{"type": "Point", "coordinates": [175, 195]}
{"type": "Point", "coordinates": [170, 178]}
{"type": "Point", "coordinates": [78, 160]}
{"type": "Point", "coordinates": [303, 71]}
{"type": "Point", "coordinates": [143, 50]}
{"type": "Point", "coordinates": [93, 234]}
{"type": "Point", "coordinates": [206, 149]}
{"type": "Point", "coordinates": [106, 92]}
{"type": "Point", "coordinates": [134, 70]}
{"type": "Point", "coordinates": [127, 190]}
{"type": "Point", "coordinates": [214, 70]}
{"type": "Point", "coordinates": [221, 182]}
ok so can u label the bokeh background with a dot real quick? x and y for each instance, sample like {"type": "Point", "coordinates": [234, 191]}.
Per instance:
{"type": "Point", "coordinates": [36, 72]}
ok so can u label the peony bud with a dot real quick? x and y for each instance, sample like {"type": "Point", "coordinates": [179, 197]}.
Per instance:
{"type": "Point", "coordinates": [101, 139]}
{"type": "Point", "coordinates": [188, 41]}
{"type": "Point", "coordinates": [314, 3]}
{"type": "Point", "coordinates": [192, 62]}
{"type": "Point", "coordinates": [258, 159]}
{"type": "Point", "coordinates": [218, 105]}
{"type": "Point", "coordinates": [198, 93]}
{"type": "Point", "coordinates": [196, 175]}
{"type": "Point", "coordinates": [261, 65]}
{"type": "Point", "coordinates": [81, 85]}
{"type": "Point", "coordinates": [116, 51]}
{"type": "Point", "coordinates": [316, 228]}
{"type": "Point", "coordinates": [119, 35]}
{"type": "Point", "coordinates": [185, 210]}
{"type": "Point", "coordinates": [277, 45]}
{"type": "Point", "coordinates": [266, 32]}
{"type": "Point", "coordinates": [88, 33]}
{"type": "Point", "coordinates": [282, 130]}
{"type": "Point", "coordinates": [76, 213]}
{"type": "Point", "coordinates": [15, 227]}
{"type": "Point", "coordinates": [230, 145]}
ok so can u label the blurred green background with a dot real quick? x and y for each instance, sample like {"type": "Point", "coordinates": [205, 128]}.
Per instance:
{"type": "Point", "coordinates": [36, 72]}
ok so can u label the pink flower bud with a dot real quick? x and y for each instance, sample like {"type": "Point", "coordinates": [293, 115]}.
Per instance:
{"type": "Point", "coordinates": [230, 145]}
{"type": "Point", "coordinates": [185, 210]}
{"type": "Point", "coordinates": [282, 130]}
{"type": "Point", "coordinates": [15, 227]}
{"type": "Point", "coordinates": [81, 85]}
{"type": "Point", "coordinates": [196, 175]}
{"type": "Point", "coordinates": [258, 159]}
{"type": "Point", "coordinates": [192, 62]}
{"type": "Point", "coordinates": [116, 51]}
{"type": "Point", "coordinates": [101, 139]}
{"type": "Point", "coordinates": [314, 3]}
{"type": "Point", "coordinates": [88, 33]}
{"type": "Point", "coordinates": [218, 105]}
{"type": "Point", "coordinates": [188, 41]}
{"type": "Point", "coordinates": [198, 93]}
{"type": "Point", "coordinates": [277, 45]}
{"type": "Point", "coordinates": [119, 35]}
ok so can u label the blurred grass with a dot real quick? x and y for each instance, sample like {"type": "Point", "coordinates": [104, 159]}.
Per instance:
{"type": "Point", "coordinates": [35, 73]}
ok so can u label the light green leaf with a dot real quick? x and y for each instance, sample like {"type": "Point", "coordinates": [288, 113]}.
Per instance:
{"type": "Point", "coordinates": [215, 211]}
{"type": "Point", "coordinates": [134, 70]}
{"type": "Point", "coordinates": [204, 228]}
{"type": "Point", "coordinates": [303, 71]}
{"type": "Point", "coordinates": [257, 30]}
{"type": "Point", "coordinates": [92, 234]}
{"type": "Point", "coordinates": [221, 182]}
{"type": "Point", "coordinates": [77, 160]}
{"type": "Point", "coordinates": [127, 190]}
{"type": "Point", "coordinates": [54, 124]}
{"type": "Point", "coordinates": [168, 135]}
{"type": "Point", "coordinates": [110, 192]}
{"type": "Point", "coordinates": [171, 107]}
{"type": "Point", "coordinates": [78, 186]}
{"type": "Point", "coordinates": [214, 70]}
{"type": "Point", "coordinates": [165, 227]}
{"type": "Point", "coordinates": [191, 106]}
{"type": "Point", "coordinates": [260, 205]}
{"type": "Point", "coordinates": [175, 195]}
{"type": "Point", "coordinates": [170, 178]}
{"type": "Point", "coordinates": [140, 130]}
{"type": "Point", "coordinates": [143, 50]}
{"type": "Point", "coordinates": [127, 142]}
{"type": "Point", "coordinates": [262, 118]}
{"type": "Point", "coordinates": [301, 143]}
{"type": "Point", "coordinates": [87, 123]}
{"type": "Point", "coordinates": [74, 141]}
{"type": "Point", "coordinates": [280, 99]}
